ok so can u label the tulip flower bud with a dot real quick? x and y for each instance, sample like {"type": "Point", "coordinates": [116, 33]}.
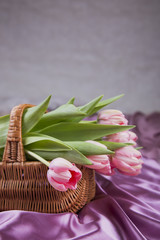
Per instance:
{"type": "Point", "coordinates": [63, 175]}
{"type": "Point", "coordinates": [112, 117]}
{"type": "Point", "coordinates": [123, 137]}
{"type": "Point", "coordinates": [100, 163]}
{"type": "Point", "coordinates": [127, 160]}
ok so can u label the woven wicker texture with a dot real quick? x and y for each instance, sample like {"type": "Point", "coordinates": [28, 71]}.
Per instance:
{"type": "Point", "coordinates": [24, 184]}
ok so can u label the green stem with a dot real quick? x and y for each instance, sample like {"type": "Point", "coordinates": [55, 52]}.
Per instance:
{"type": "Point", "coordinates": [42, 160]}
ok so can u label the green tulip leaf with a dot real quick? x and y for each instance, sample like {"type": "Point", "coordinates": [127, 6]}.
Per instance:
{"type": "Point", "coordinates": [88, 108]}
{"type": "Point", "coordinates": [4, 121]}
{"type": "Point", "coordinates": [85, 121]}
{"type": "Point", "coordinates": [4, 124]}
{"type": "Point", "coordinates": [36, 156]}
{"type": "Point", "coordinates": [105, 103]}
{"type": "Point", "coordinates": [114, 145]}
{"type": "Point", "coordinates": [71, 101]}
{"type": "Point", "coordinates": [88, 148]}
{"type": "Point", "coordinates": [63, 113]}
{"type": "Point", "coordinates": [32, 115]}
{"type": "Point", "coordinates": [1, 153]}
{"type": "Point", "coordinates": [139, 148]}
{"type": "Point", "coordinates": [35, 141]}
{"type": "Point", "coordinates": [73, 156]}
{"type": "Point", "coordinates": [81, 131]}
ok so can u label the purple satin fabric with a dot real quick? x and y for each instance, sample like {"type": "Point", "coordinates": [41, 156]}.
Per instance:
{"type": "Point", "coordinates": [148, 131]}
{"type": "Point", "coordinates": [125, 208]}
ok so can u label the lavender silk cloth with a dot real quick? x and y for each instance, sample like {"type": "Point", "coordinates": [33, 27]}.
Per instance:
{"type": "Point", "coordinates": [125, 208]}
{"type": "Point", "coordinates": [148, 131]}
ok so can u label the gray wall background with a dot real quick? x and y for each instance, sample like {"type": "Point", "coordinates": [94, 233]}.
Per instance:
{"type": "Point", "coordinates": [81, 48]}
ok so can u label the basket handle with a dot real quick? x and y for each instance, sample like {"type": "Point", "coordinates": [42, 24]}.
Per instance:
{"type": "Point", "coordinates": [14, 151]}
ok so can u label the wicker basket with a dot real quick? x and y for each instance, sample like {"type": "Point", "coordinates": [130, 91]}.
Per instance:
{"type": "Point", "coordinates": [24, 185]}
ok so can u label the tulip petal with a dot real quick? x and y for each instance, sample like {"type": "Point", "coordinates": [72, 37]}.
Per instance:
{"type": "Point", "coordinates": [112, 117]}
{"type": "Point", "coordinates": [54, 184]}
{"type": "Point", "coordinates": [60, 165]}
{"type": "Point", "coordinates": [76, 172]}
{"type": "Point", "coordinates": [61, 177]}
{"type": "Point", "coordinates": [106, 170]}
{"type": "Point", "coordinates": [128, 151]}
{"type": "Point", "coordinates": [130, 161]}
{"type": "Point", "coordinates": [98, 159]}
{"type": "Point", "coordinates": [76, 176]}
{"type": "Point", "coordinates": [130, 173]}
{"type": "Point", "coordinates": [123, 166]}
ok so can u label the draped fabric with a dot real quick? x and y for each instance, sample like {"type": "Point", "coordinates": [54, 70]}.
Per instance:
{"type": "Point", "coordinates": [148, 131]}
{"type": "Point", "coordinates": [125, 208]}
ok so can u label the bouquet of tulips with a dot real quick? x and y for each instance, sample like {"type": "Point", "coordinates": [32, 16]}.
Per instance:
{"type": "Point", "coordinates": [64, 138]}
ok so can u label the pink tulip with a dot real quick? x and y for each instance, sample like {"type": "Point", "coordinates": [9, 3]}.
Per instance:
{"type": "Point", "coordinates": [100, 163]}
{"type": "Point", "coordinates": [63, 175]}
{"type": "Point", "coordinates": [127, 160]}
{"type": "Point", "coordinates": [123, 137]}
{"type": "Point", "coordinates": [112, 117]}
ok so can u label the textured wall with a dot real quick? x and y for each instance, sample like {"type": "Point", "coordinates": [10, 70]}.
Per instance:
{"type": "Point", "coordinates": [80, 47]}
